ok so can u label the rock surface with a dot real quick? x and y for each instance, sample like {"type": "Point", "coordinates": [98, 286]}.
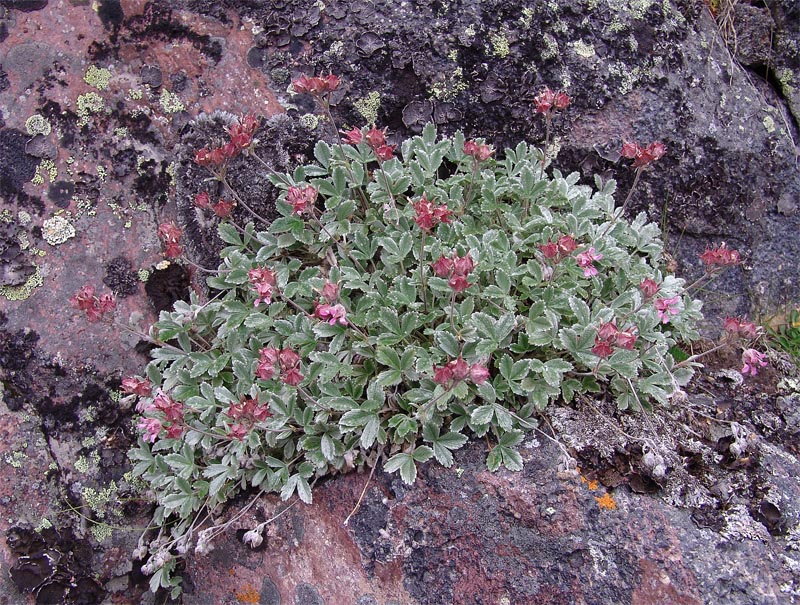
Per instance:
{"type": "Point", "coordinates": [699, 505]}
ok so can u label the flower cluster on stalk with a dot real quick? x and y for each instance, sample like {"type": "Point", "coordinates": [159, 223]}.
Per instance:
{"type": "Point", "coordinates": [427, 215]}
{"type": "Point", "coordinates": [456, 370]}
{"type": "Point", "coordinates": [586, 260]}
{"type": "Point", "coordinates": [94, 306]}
{"type": "Point", "coordinates": [480, 151]}
{"type": "Point", "coordinates": [170, 234]}
{"type": "Point", "coordinates": [610, 336]}
{"type": "Point", "coordinates": [560, 249]}
{"type": "Point", "coordinates": [283, 362]}
{"type": "Point", "coordinates": [301, 199]}
{"type": "Point", "coordinates": [240, 138]}
{"type": "Point", "coordinates": [549, 100]}
{"type": "Point", "coordinates": [316, 86]}
{"type": "Point", "coordinates": [246, 413]}
{"type": "Point", "coordinates": [170, 411]}
{"type": "Point", "coordinates": [455, 269]}
{"type": "Point", "coordinates": [222, 207]}
{"type": "Point", "coordinates": [720, 257]}
{"type": "Point", "coordinates": [751, 361]}
{"type": "Point", "coordinates": [642, 156]}
{"type": "Point", "coordinates": [263, 282]}
{"type": "Point", "coordinates": [375, 138]}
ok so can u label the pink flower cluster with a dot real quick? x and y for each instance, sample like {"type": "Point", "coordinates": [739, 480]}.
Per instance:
{"type": "Point", "coordinates": [247, 412]}
{"type": "Point", "coordinates": [721, 256]}
{"type": "Point", "coordinates": [752, 360]}
{"type": "Point", "coordinates": [586, 261]}
{"type": "Point", "coordinates": [279, 361]}
{"type": "Point", "coordinates": [171, 236]}
{"type": "Point", "coordinates": [642, 156]}
{"type": "Point", "coordinates": [95, 307]}
{"type": "Point", "coordinates": [133, 385]}
{"type": "Point", "coordinates": [428, 216]}
{"type": "Point", "coordinates": [317, 86]}
{"type": "Point", "coordinates": [240, 138]}
{"type": "Point", "coordinates": [333, 314]}
{"type": "Point", "coordinates": [560, 249]}
{"type": "Point", "coordinates": [740, 327]}
{"type": "Point", "coordinates": [550, 99]}
{"type": "Point", "coordinates": [649, 288]}
{"type": "Point", "coordinates": [667, 307]}
{"type": "Point", "coordinates": [456, 269]}
{"type": "Point", "coordinates": [263, 282]}
{"type": "Point", "coordinates": [221, 208]}
{"type": "Point", "coordinates": [479, 151]}
{"type": "Point", "coordinates": [609, 336]}
{"type": "Point", "coordinates": [456, 370]}
{"type": "Point", "coordinates": [173, 414]}
{"type": "Point", "coordinates": [301, 198]}
{"type": "Point", "coordinates": [375, 138]}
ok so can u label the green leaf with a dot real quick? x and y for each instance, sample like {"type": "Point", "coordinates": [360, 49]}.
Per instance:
{"type": "Point", "coordinates": [229, 234]}
{"type": "Point", "coordinates": [405, 464]}
{"type": "Point", "coordinates": [482, 414]}
{"type": "Point", "coordinates": [323, 153]}
{"type": "Point", "coordinates": [447, 343]}
{"type": "Point", "coordinates": [388, 357]}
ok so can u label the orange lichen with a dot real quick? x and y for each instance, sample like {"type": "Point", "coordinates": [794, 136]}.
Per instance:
{"type": "Point", "coordinates": [606, 502]}
{"type": "Point", "coordinates": [248, 594]}
{"type": "Point", "coordinates": [593, 485]}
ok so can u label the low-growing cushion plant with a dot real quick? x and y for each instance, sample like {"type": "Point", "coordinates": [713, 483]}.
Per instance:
{"type": "Point", "coordinates": [397, 307]}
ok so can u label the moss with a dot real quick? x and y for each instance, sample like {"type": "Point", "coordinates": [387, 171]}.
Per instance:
{"type": "Point", "coordinates": [97, 77]}
{"type": "Point", "coordinates": [500, 45]}
{"type": "Point", "coordinates": [25, 290]}
{"type": "Point", "coordinates": [57, 230]}
{"type": "Point", "coordinates": [368, 107]}
{"type": "Point", "coordinates": [170, 102]}
{"type": "Point", "coordinates": [37, 124]}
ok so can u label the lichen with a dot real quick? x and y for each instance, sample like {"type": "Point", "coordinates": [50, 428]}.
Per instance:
{"type": "Point", "coordinates": [606, 502]}
{"type": "Point", "coordinates": [550, 47]}
{"type": "Point", "coordinates": [23, 217]}
{"type": "Point", "coordinates": [500, 45]}
{"type": "Point", "coordinates": [769, 124]}
{"type": "Point", "coordinates": [88, 103]}
{"type": "Point", "coordinates": [368, 107]}
{"type": "Point", "coordinates": [451, 87]}
{"type": "Point", "coordinates": [43, 524]}
{"type": "Point", "coordinates": [82, 464]}
{"type": "Point", "coordinates": [101, 531]}
{"type": "Point", "coordinates": [143, 275]}
{"type": "Point", "coordinates": [121, 132]}
{"type": "Point", "coordinates": [170, 102]}
{"type": "Point", "coordinates": [309, 121]}
{"type": "Point", "coordinates": [582, 49]}
{"type": "Point", "coordinates": [101, 172]}
{"type": "Point", "coordinates": [97, 501]}
{"type": "Point", "coordinates": [135, 94]}
{"type": "Point", "coordinates": [527, 17]}
{"type": "Point", "coordinates": [97, 77]}
{"type": "Point", "coordinates": [15, 459]}
{"type": "Point", "coordinates": [24, 291]}
{"type": "Point", "coordinates": [57, 230]}
{"type": "Point", "coordinates": [37, 124]}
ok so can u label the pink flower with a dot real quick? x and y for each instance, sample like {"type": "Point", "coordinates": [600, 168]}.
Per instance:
{"type": "Point", "coordinates": [292, 377]}
{"type": "Point", "coordinates": [642, 156]}
{"type": "Point", "coordinates": [223, 208]}
{"type": "Point", "coordinates": [317, 86]}
{"type": "Point", "coordinates": [458, 283]}
{"type": "Point", "coordinates": [151, 427]}
{"type": "Point", "coordinates": [266, 363]}
{"type": "Point", "coordinates": [626, 339]}
{"type": "Point", "coordinates": [443, 267]}
{"type": "Point", "coordinates": [550, 250]}
{"type": "Point", "coordinates": [209, 157]}
{"type": "Point", "coordinates": [133, 385]}
{"type": "Point", "coordinates": [478, 373]}
{"type": "Point", "coordinates": [95, 308]}
{"type": "Point", "coordinates": [667, 307]}
{"type": "Point", "coordinates": [301, 198]}
{"type": "Point", "coordinates": [740, 327]}
{"type": "Point", "coordinates": [202, 200]}
{"type": "Point", "coordinates": [648, 288]}
{"type": "Point", "coordinates": [463, 265]}
{"type": "Point", "coordinates": [170, 235]}
{"type": "Point", "coordinates": [288, 359]}
{"type": "Point", "coordinates": [608, 331]}
{"type": "Point", "coordinates": [172, 410]}
{"type": "Point", "coordinates": [752, 360]}
{"type": "Point", "coordinates": [479, 151]}
{"type": "Point", "coordinates": [428, 216]}
{"type": "Point", "coordinates": [601, 348]}
{"type": "Point", "coordinates": [333, 314]}
{"type": "Point", "coordinates": [241, 133]}
{"type": "Point", "coordinates": [549, 99]}
{"type": "Point", "coordinates": [353, 136]}
{"type": "Point", "coordinates": [375, 137]}
{"type": "Point", "coordinates": [459, 367]}
{"type": "Point", "coordinates": [175, 430]}
{"type": "Point", "coordinates": [263, 282]}
{"type": "Point", "coordinates": [721, 256]}
{"type": "Point", "coordinates": [385, 152]}
{"type": "Point", "coordinates": [566, 245]}
{"type": "Point", "coordinates": [586, 259]}
{"type": "Point", "coordinates": [237, 431]}
{"type": "Point", "coordinates": [330, 291]}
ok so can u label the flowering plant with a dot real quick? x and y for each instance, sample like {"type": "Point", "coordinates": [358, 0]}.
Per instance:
{"type": "Point", "coordinates": [397, 306]}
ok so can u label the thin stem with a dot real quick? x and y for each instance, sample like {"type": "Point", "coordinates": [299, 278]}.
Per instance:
{"type": "Point", "coordinates": [422, 272]}
{"type": "Point", "coordinates": [244, 204]}
{"type": "Point", "coordinates": [388, 190]}
{"type": "Point", "coordinates": [339, 243]}
{"type": "Point", "coordinates": [468, 196]}
{"type": "Point", "coordinates": [364, 491]}
{"type": "Point", "coordinates": [452, 311]}
{"type": "Point", "coordinates": [625, 203]}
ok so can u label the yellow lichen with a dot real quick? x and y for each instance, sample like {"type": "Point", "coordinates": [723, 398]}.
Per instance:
{"type": "Point", "coordinates": [582, 49]}
{"type": "Point", "coordinates": [135, 94]}
{"type": "Point", "coordinates": [25, 290]}
{"type": "Point", "coordinates": [451, 87]}
{"type": "Point", "coordinates": [88, 103]}
{"type": "Point", "coordinates": [500, 46]}
{"type": "Point", "coordinates": [37, 124]}
{"type": "Point", "coordinates": [368, 107]}
{"type": "Point", "coordinates": [97, 77]}
{"type": "Point", "coordinates": [170, 102]}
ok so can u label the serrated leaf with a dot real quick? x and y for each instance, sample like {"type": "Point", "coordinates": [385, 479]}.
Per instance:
{"type": "Point", "coordinates": [482, 414]}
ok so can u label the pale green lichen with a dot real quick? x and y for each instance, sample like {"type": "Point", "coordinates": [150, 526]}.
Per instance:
{"type": "Point", "coordinates": [121, 132]}
{"type": "Point", "coordinates": [88, 441]}
{"type": "Point", "coordinates": [37, 124]}
{"type": "Point", "coordinates": [101, 531]}
{"type": "Point", "coordinates": [451, 87]}
{"type": "Point", "coordinates": [23, 217]}
{"type": "Point", "coordinates": [24, 291]}
{"type": "Point", "coordinates": [97, 501]}
{"type": "Point", "coordinates": [582, 49]}
{"type": "Point", "coordinates": [309, 121]}
{"type": "Point", "coordinates": [453, 55]}
{"type": "Point", "coordinates": [171, 172]}
{"type": "Point", "coordinates": [279, 75]}
{"type": "Point", "coordinates": [101, 172]}
{"type": "Point", "coordinates": [88, 103]}
{"type": "Point", "coordinates": [550, 50]}
{"type": "Point", "coordinates": [57, 230]}
{"type": "Point", "coordinates": [769, 124]}
{"type": "Point", "coordinates": [368, 107]}
{"type": "Point", "coordinates": [143, 275]}
{"type": "Point", "coordinates": [15, 459]}
{"type": "Point", "coordinates": [469, 32]}
{"type": "Point", "coordinates": [527, 17]}
{"type": "Point", "coordinates": [500, 45]}
{"type": "Point", "coordinates": [628, 77]}
{"type": "Point", "coordinates": [135, 94]}
{"type": "Point", "coordinates": [635, 8]}
{"type": "Point", "coordinates": [24, 242]}
{"type": "Point", "coordinates": [170, 102]}
{"type": "Point", "coordinates": [43, 524]}
{"type": "Point", "coordinates": [97, 77]}
{"type": "Point", "coordinates": [82, 464]}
